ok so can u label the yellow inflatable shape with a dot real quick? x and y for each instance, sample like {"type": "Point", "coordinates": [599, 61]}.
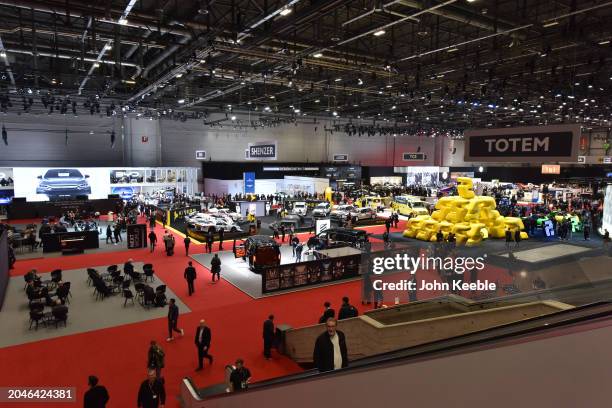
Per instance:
{"type": "Point", "coordinates": [471, 218]}
{"type": "Point", "coordinates": [465, 187]}
{"type": "Point", "coordinates": [328, 194]}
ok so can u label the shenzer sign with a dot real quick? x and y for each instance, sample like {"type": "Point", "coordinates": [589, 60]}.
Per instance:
{"type": "Point", "coordinates": [262, 151]}
{"type": "Point", "coordinates": [527, 144]}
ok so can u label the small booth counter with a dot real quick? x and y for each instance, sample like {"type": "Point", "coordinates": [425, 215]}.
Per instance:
{"type": "Point", "coordinates": [70, 242]}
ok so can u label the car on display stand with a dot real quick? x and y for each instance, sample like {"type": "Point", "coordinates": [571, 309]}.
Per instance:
{"type": "Point", "coordinates": [297, 221]}
{"type": "Point", "coordinates": [213, 224]}
{"type": "Point", "coordinates": [337, 237]}
{"type": "Point", "coordinates": [341, 212]}
{"type": "Point", "coordinates": [300, 208]}
{"type": "Point", "coordinates": [409, 206]}
{"type": "Point", "coordinates": [227, 213]}
{"type": "Point", "coordinates": [322, 210]}
{"type": "Point", "coordinates": [261, 251]}
{"type": "Point", "coordinates": [366, 213]}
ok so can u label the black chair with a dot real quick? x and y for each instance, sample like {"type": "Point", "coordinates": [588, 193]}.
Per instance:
{"type": "Point", "coordinates": [160, 289]}
{"type": "Point", "coordinates": [149, 274]}
{"type": "Point", "coordinates": [102, 290]}
{"type": "Point", "coordinates": [36, 307]}
{"type": "Point", "coordinates": [62, 292]}
{"type": "Point", "coordinates": [128, 295]}
{"type": "Point", "coordinates": [60, 315]}
{"type": "Point", "coordinates": [147, 266]}
{"type": "Point", "coordinates": [148, 298]}
{"type": "Point", "coordinates": [126, 284]}
{"type": "Point", "coordinates": [35, 317]}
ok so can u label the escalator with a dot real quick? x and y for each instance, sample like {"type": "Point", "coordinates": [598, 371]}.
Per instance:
{"type": "Point", "coordinates": [562, 359]}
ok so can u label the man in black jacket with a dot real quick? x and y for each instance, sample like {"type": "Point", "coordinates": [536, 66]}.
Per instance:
{"type": "Point", "coordinates": [96, 396]}
{"type": "Point", "coordinates": [215, 267]}
{"type": "Point", "coordinates": [190, 277]}
{"type": "Point", "coordinates": [202, 342]}
{"type": "Point", "coordinates": [330, 348]}
{"type": "Point", "coordinates": [152, 393]}
{"type": "Point", "coordinates": [173, 314]}
{"type": "Point", "coordinates": [187, 241]}
{"type": "Point", "coordinates": [152, 240]}
{"type": "Point", "coordinates": [347, 310]}
{"type": "Point", "coordinates": [268, 336]}
{"type": "Point", "coordinates": [209, 241]}
{"type": "Point", "coordinates": [327, 313]}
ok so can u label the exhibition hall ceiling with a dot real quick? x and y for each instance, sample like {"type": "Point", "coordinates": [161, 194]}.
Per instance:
{"type": "Point", "coordinates": [413, 64]}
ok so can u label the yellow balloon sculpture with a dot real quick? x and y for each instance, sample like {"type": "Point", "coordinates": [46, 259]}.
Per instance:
{"type": "Point", "coordinates": [467, 216]}
{"type": "Point", "coordinates": [328, 194]}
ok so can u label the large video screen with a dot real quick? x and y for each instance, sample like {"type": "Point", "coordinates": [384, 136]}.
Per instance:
{"type": "Point", "coordinates": [606, 222]}
{"type": "Point", "coordinates": [45, 184]}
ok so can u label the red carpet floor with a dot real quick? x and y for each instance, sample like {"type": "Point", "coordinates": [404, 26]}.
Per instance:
{"type": "Point", "coordinates": [118, 355]}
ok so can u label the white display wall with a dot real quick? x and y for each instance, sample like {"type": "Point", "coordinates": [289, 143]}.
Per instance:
{"type": "Point", "coordinates": [606, 222]}
{"type": "Point", "coordinates": [289, 185]}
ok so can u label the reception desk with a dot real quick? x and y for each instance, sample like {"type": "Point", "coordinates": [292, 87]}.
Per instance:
{"type": "Point", "coordinates": [70, 242]}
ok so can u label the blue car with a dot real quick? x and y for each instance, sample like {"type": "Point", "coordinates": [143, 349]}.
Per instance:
{"type": "Point", "coordinates": [63, 182]}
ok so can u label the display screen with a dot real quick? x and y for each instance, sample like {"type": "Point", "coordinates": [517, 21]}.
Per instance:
{"type": "Point", "coordinates": [44, 184]}
{"type": "Point", "coordinates": [126, 192]}
{"type": "Point", "coordinates": [606, 222]}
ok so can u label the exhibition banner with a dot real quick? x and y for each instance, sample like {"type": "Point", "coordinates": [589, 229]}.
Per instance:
{"type": "Point", "coordinates": [262, 151]}
{"type": "Point", "coordinates": [283, 277]}
{"type": "Point", "coordinates": [249, 182]}
{"type": "Point", "coordinates": [137, 236]}
{"type": "Point", "coordinates": [533, 144]}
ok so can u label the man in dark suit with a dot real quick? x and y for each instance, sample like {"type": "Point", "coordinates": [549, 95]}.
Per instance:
{"type": "Point", "coordinates": [347, 310]}
{"type": "Point", "coordinates": [190, 277]}
{"type": "Point", "coordinates": [152, 393]}
{"type": "Point", "coordinates": [209, 241]}
{"type": "Point", "coordinates": [268, 336]}
{"type": "Point", "coordinates": [96, 396]}
{"type": "Point", "coordinates": [173, 314]}
{"type": "Point", "coordinates": [215, 267]}
{"type": "Point", "coordinates": [202, 342]}
{"type": "Point", "coordinates": [187, 242]}
{"type": "Point", "coordinates": [330, 351]}
{"type": "Point", "coordinates": [327, 313]}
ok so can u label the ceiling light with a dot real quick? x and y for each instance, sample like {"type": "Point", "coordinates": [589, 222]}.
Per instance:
{"type": "Point", "coordinates": [335, 113]}
{"type": "Point", "coordinates": [296, 110]}
{"type": "Point", "coordinates": [452, 50]}
{"type": "Point", "coordinates": [96, 65]}
{"type": "Point", "coordinates": [285, 11]}
{"type": "Point", "coordinates": [604, 42]}
{"type": "Point", "coordinates": [123, 21]}
{"type": "Point", "coordinates": [379, 33]}
{"type": "Point", "coordinates": [317, 101]}
{"type": "Point", "coordinates": [3, 54]}
{"type": "Point", "coordinates": [181, 101]}
{"type": "Point", "coordinates": [359, 81]}
{"type": "Point", "coordinates": [180, 74]}
{"type": "Point", "coordinates": [393, 107]}
{"type": "Point", "coordinates": [233, 117]}
{"type": "Point", "coordinates": [338, 79]}
{"type": "Point", "coordinates": [267, 109]}
{"type": "Point", "coordinates": [317, 55]}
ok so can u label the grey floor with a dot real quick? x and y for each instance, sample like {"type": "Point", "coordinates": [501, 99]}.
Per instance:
{"type": "Point", "coordinates": [547, 253]}
{"type": "Point", "coordinates": [25, 253]}
{"type": "Point", "coordinates": [84, 312]}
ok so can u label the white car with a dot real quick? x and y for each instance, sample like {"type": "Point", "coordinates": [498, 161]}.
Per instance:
{"type": "Point", "coordinates": [322, 210]}
{"type": "Point", "coordinates": [214, 224]}
{"type": "Point", "coordinates": [300, 208]}
{"type": "Point", "coordinates": [226, 212]}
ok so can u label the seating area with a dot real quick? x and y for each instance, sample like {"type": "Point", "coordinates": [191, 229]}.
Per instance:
{"type": "Point", "coordinates": [47, 299]}
{"type": "Point", "coordinates": [113, 282]}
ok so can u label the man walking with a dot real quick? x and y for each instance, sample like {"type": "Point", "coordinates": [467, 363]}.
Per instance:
{"type": "Point", "coordinates": [209, 241]}
{"type": "Point", "coordinates": [109, 234]}
{"type": "Point", "coordinates": [155, 358]}
{"type": "Point", "coordinates": [282, 231]}
{"type": "Point", "coordinates": [221, 233]}
{"type": "Point", "coordinates": [202, 342]}
{"type": "Point", "coordinates": [152, 240]}
{"type": "Point", "coordinates": [215, 267]}
{"type": "Point", "coordinates": [187, 241]}
{"type": "Point", "coordinates": [268, 336]}
{"type": "Point", "coordinates": [330, 351]}
{"type": "Point", "coordinates": [152, 393]}
{"type": "Point", "coordinates": [173, 314]}
{"type": "Point", "coordinates": [96, 396]}
{"type": "Point", "coordinates": [240, 377]}
{"type": "Point", "coordinates": [190, 276]}
{"type": "Point", "coordinates": [298, 251]}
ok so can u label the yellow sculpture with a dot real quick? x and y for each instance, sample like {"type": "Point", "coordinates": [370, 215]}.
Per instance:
{"type": "Point", "coordinates": [328, 195]}
{"type": "Point", "coordinates": [467, 215]}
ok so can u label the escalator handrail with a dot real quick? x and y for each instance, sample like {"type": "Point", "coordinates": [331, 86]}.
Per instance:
{"type": "Point", "coordinates": [430, 350]}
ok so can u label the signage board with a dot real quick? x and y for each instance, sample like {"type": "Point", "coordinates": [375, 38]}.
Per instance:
{"type": "Point", "coordinates": [290, 169]}
{"type": "Point", "coordinates": [200, 154]}
{"type": "Point", "coordinates": [531, 143]}
{"type": "Point", "coordinates": [137, 236]}
{"type": "Point", "coordinates": [413, 156]}
{"type": "Point", "coordinates": [249, 182]}
{"type": "Point", "coordinates": [262, 151]}
{"type": "Point", "coordinates": [581, 159]}
{"type": "Point", "coordinates": [340, 157]}
{"type": "Point", "coordinates": [322, 225]}
{"type": "Point", "coordinates": [607, 160]}
{"type": "Point", "coordinates": [551, 169]}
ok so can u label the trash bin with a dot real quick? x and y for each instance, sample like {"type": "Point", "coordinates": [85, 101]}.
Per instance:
{"type": "Point", "coordinates": [281, 330]}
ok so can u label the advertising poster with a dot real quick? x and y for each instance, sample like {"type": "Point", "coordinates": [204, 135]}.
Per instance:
{"type": "Point", "coordinates": [6, 185]}
{"type": "Point", "coordinates": [126, 192]}
{"type": "Point", "coordinates": [48, 184]}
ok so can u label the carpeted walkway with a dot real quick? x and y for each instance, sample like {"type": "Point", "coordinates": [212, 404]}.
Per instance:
{"type": "Point", "coordinates": [117, 355]}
